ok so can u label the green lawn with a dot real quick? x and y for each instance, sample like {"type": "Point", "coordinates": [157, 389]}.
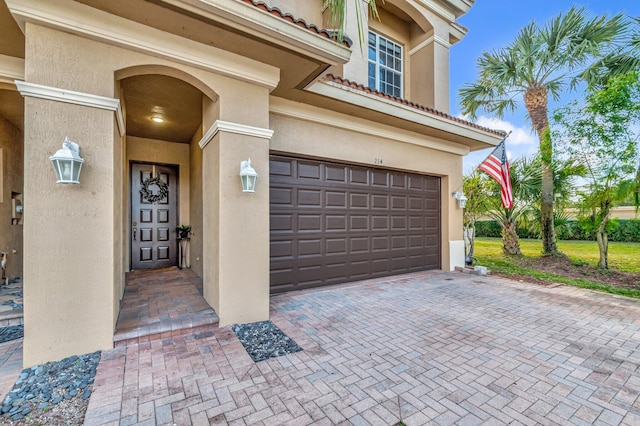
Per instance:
{"type": "Point", "coordinates": [623, 256]}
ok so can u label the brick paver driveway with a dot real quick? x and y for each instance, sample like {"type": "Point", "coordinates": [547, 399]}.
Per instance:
{"type": "Point", "coordinates": [436, 348]}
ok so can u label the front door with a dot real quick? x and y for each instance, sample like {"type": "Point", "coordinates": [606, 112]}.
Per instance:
{"type": "Point", "coordinates": [154, 209]}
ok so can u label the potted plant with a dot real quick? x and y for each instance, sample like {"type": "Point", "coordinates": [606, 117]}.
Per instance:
{"type": "Point", "coordinates": [183, 231]}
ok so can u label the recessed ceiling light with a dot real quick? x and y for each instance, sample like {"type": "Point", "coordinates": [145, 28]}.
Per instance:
{"type": "Point", "coordinates": [157, 119]}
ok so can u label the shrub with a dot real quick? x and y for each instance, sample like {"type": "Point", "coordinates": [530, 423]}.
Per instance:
{"type": "Point", "coordinates": [620, 230]}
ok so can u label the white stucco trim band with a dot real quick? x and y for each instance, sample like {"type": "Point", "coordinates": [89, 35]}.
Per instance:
{"type": "Point", "coordinates": [433, 39]}
{"type": "Point", "coordinates": [387, 106]}
{"type": "Point", "coordinates": [287, 108]}
{"type": "Point", "coordinates": [75, 18]}
{"type": "Point", "coordinates": [240, 129]}
{"type": "Point", "coordinates": [11, 68]}
{"type": "Point", "coordinates": [72, 97]}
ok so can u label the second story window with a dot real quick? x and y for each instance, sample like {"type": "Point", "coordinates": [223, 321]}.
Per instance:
{"type": "Point", "coordinates": [385, 65]}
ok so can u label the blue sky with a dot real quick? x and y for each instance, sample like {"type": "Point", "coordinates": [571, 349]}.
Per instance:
{"type": "Point", "coordinates": [493, 24]}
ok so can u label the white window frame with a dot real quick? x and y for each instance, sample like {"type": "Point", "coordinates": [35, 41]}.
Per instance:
{"type": "Point", "coordinates": [377, 83]}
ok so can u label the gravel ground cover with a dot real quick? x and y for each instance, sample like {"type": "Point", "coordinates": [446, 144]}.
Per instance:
{"type": "Point", "coordinates": [53, 393]}
{"type": "Point", "coordinates": [11, 333]}
{"type": "Point", "coordinates": [264, 340]}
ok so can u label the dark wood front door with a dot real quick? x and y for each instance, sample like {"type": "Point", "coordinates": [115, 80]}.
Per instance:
{"type": "Point", "coordinates": [153, 216]}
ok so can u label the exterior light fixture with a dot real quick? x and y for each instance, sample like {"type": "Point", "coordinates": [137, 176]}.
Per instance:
{"type": "Point", "coordinates": [248, 176]}
{"type": "Point", "coordinates": [462, 200]}
{"type": "Point", "coordinates": [67, 162]}
{"type": "Point", "coordinates": [157, 119]}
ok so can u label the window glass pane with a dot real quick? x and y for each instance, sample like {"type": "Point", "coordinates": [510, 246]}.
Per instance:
{"type": "Point", "coordinates": [385, 65]}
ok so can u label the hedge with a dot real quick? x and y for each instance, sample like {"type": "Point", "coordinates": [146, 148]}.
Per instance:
{"type": "Point", "coordinates": [622, 230]}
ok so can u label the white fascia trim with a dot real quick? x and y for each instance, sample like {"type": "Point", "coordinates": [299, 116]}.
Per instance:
{"type": "Point", "coordinates": [287, 108]}
{"type": "Point", "coordinates": [386, 106]}
{"type": "Point", "coordinates": [72, 97]}
{"type": "Point", "coordinates": [240, 129]}
{"type": "Point", "coordinates": [438, 10]}
{"type": "Point", "coordinates": [427, 42]}
{"type": "Point", "coordinates": [250, 19]}
{"type": "Point", "coordinates": [85, 21]}
{"type": "Point", "coordinates": [11, 68]}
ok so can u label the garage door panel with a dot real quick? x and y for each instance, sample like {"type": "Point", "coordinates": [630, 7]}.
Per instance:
{"type": "Point", "coordinates": [334, 223]}
{"type": "Point", "coordinates": [308, 170]}
{"type": "Point", "coordinates": [281, 196]}
{"type": "Point", "coordinates": [309, 222]}
{"type": "Point", "coordinates": [358, 176]}
{"type": "Point", "coordinates": [281, 249]}
{"type": "Point", "coordinates": [380, 243]}
{"type": "Point", "coordinates": [380, 223]}
{"type": "Point", "coordinates": [359, 201]}
{"type": "Point", "coordinates": [380, 201]}
{"type": "Point", "coordinates": [281, 167]}
{"type": "Point", "coordinates": [398, 203]}
{"type": "Point", "coordinates": [309, 247]}
{"type": "Point", "coordinates": [360, 244]}
{"type": "Point", "coordinates": [336, 199]}
{"type": "Point", "coordinates": [281, 222]}
{"type": "Point", "coordinates": [335, 173]}
{"type": "Point", "coordinates": [398, 223]}
{"type": "Point", "coordinates": [336, 246]}
{"type": "Point", "coordinates": [310, 197]}
{"type": "Point", "coordinates": [379, 178]}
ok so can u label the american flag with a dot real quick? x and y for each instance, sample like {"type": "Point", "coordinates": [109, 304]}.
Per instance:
{"type": "Point", "coordinates": [496, 165]}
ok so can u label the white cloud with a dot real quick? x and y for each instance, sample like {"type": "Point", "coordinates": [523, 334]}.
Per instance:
{"type": "Point", "coordinates": [521, 143]}
{"type": "Point", "coordinates": [519, 135]}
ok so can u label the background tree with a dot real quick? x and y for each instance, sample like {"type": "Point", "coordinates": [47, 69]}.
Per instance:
{"type": "Point", "coordinates": [603, 132]}
{"type": "Point", "coordinates": [475, 187]}
{"type": "Point", "coordinates": [541, 62]}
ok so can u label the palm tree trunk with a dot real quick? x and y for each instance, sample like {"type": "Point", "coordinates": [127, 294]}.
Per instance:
{"type": "Point", "coordinates": [536, 102]}
{"type": "Point", "coordinates": [510, 242]}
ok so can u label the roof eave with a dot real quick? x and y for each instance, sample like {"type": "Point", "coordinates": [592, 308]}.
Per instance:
{"type": "Point", "coordinates": [264, 25]}
{"type": "Point", "coordinates": [478, 138]}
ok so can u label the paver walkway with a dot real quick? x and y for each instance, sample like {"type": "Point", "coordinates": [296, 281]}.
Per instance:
{"type": "Point", "coordinates": [436, 348]}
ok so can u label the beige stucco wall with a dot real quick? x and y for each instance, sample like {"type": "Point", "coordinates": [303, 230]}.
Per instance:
{"type": "Point", "coordinates": [311, 139]}
{"type": "Point", "coordinates": [237, 257]}
{"type": "Point", "coordinates": [76, 319]}
{"type": "Point", "coordinates": [11, 181]}
{"type": "Point", "coordinates": [195, 199]}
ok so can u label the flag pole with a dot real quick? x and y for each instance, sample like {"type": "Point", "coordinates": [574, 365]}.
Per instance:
{"type": "Point", "coordinates": [503, 139]}
{"type": "Point", "coordinates": [485, 159]}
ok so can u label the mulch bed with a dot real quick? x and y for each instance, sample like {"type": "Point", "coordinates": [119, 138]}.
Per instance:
{"type": "Point", "coordinates": [264, 340]}
{"type": "Point", "coordinates": [562, 265]}
{"type": "Point", "coordinates": [11, 333]}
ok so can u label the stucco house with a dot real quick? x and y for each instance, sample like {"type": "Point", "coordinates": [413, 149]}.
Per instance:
{"type": "Point", "coordinates": [356, 154]}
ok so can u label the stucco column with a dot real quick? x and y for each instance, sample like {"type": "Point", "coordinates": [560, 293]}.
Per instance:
{"type": "Point", "coordinates": [235, 224]}
{"type": "Point", "coordinates": [430, 73]}
{"type": "Point", "coordinates": [68, 234]}
{"type": "Point", "coordinates": [72, 240]}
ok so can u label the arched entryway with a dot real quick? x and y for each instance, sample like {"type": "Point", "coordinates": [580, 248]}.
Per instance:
{"type": "Point", "coordinates": [164, 110]}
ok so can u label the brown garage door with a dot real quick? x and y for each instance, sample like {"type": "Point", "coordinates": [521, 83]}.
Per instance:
{"type": "Point", "coordinates": [334, 223]}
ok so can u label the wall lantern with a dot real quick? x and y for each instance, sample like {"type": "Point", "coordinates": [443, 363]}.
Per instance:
{"type": "Point", "coordinates": [248, 176]}
{"type": "Point", "coordinates": [67, 162]}
{"type": "Point", "coordinates": [462, 200]}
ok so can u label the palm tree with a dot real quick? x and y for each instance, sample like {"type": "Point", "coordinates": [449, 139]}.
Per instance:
{"type": "Point", "coordinates": [539, 63]}
{"type": "Point", "coordinates": [337, 12]}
